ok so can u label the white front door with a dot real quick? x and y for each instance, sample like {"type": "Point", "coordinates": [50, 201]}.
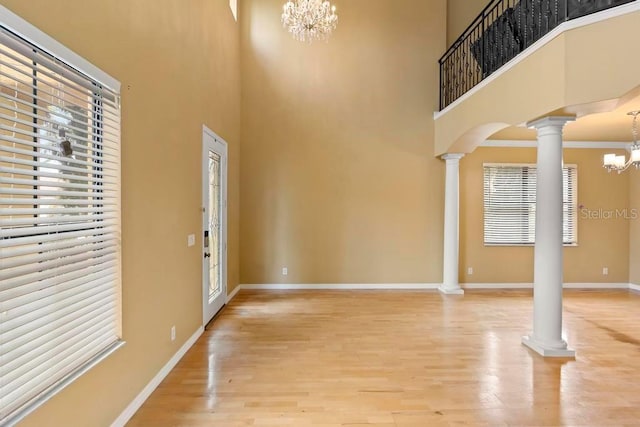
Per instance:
{"type": "Point", "coordinates": [214, 224]}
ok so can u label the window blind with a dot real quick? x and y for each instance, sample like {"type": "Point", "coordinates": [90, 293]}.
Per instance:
{"type": "Point", "coordinates": [59, 223]}
{"type": "Point", "coordinates": [510, 204]}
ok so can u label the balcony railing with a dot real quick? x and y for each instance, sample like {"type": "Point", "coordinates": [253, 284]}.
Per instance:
{"type": "Point", "coordinates": [502, 30]}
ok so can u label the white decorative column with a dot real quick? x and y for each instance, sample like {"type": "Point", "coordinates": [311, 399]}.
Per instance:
{"type": "Point", "coordinates": [450, 283]}
{"type": "Point", "coordinates": [546, 338]}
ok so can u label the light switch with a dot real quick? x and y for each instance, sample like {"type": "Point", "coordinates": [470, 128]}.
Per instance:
{"type": "Point", "coordinates": [191, 240]}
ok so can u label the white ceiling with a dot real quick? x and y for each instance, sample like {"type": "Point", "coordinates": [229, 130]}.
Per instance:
{"type": "Point", "coordinates": [614, 125]}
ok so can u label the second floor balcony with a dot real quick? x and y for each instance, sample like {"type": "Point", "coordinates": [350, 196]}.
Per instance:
{"type": "Point", "coordinates": [504, 29]}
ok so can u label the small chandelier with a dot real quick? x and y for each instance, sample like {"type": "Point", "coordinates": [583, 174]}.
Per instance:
{"type": "Point", "coordinates": [620, 164]}
{"type": "Point", "coordinates": [309, 20]}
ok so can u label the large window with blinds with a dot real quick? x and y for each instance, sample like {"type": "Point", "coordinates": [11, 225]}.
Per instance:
{"type": "Point", "coordinates": [60, 222]}
{"type": "Point", "coordinates": [510, 204]}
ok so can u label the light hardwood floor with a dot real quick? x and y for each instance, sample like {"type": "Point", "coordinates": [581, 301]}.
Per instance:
{"type": "Point", "coordinates": [401, 359]}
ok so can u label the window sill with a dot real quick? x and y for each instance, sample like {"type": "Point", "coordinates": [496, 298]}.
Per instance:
{"type": "Point", "coordinates": [31, 406]}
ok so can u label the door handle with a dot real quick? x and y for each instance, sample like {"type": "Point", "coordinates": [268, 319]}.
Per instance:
{"type": "Point", "coordinates": [207, 255]}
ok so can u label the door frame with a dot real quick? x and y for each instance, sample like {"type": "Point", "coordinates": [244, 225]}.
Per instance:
{"type": "Point", "coordinates": [212, 142]}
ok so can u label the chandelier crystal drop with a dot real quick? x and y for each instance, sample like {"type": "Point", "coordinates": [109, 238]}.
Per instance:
{"type": "Point", "coordinates": [613, 162]}
{"type": "Point", "coordinates": [309, 20]}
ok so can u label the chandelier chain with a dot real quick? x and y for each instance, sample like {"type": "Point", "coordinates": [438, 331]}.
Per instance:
{"type": "Point", "coordinates": [634, 128]}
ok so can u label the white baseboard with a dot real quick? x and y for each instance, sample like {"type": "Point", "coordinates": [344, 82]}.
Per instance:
{"type": "Point", "coordinates": [634, 287]}
{"type": "Point", "coordinates": [496, 285]}
{"type": "Point", "coordinates": [414, 286]}
{"type": "Point", "coordinates": [133, 407]}
{"type": "Point", "coordinates": [342, 286]}
{"type": "Point", "coordinates": [233, 293]}
{"type": "Point", "coordinates": [596, 286]}
{"type": "Point", "coordinates": [530, 286]}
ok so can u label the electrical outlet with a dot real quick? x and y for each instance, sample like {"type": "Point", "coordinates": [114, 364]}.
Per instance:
{"type": "Point", "coordinates": [191, 240]}
{"type": "Point", "coordinates": [605, 271]}
{"type": "Point", "coordinates": [470, 271]}
{"type": "Point", "coordinates": [173, 333]}
{"type": "Point", "coordinates": [285, 271]}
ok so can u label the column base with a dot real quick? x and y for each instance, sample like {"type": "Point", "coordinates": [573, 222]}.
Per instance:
{"type": "Point", "coordinates": [453, 291]}
{"type": "Point", "coordinates": [546, 351]}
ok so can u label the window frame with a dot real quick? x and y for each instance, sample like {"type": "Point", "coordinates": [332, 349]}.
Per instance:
{"type": "Point", "coordinates": [573, 203]}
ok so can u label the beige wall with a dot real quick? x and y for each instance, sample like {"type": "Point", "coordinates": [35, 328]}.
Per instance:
{"type": "Point", "coordinates": [601, 242]}
{"type": "Point", "coordinates": [338, 178]}
{"type": "Point", "coordinates": [178, 63]}
{"type": "Point", "coordinates": [460, 14]}
{"type": "Point", "coordinates": [634, 227]}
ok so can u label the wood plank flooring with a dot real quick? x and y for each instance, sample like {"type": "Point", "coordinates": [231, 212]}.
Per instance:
{"type": "Point", "coordinates": [404, 359]}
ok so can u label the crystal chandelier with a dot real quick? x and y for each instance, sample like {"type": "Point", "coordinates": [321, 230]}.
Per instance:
{"type": "Point", "coordinates": [620, 164]}
{"type": "Point", "coordinates": [309, 20]}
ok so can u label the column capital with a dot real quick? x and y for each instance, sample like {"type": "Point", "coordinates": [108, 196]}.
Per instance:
{"type": "Point", "coordinates": [452, 157]}
{"type": "Point", "coordinates": [550, 121]}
